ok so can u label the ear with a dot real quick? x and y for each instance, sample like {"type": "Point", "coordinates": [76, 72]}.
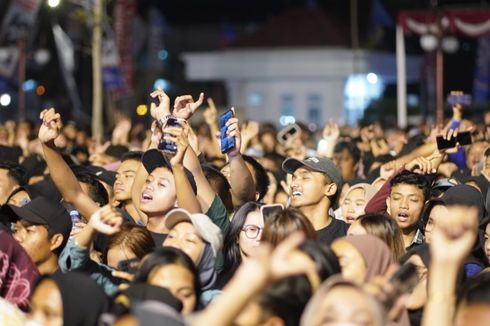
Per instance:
{"type": "Point", "coordinates": [330, 189]}
{"type": "Point", "coordinates": [56, 241]}
{"type": "Point", "coordinates": [388, 207]}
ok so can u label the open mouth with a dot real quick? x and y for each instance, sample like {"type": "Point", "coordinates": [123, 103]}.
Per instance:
{"type": "Point", "coordinates": [402, 217]}
{"type": "Point", "coordinates": [350, 219]}
{"type": "Point", "coordinates": [296, 194]}
{"type": "Point", "coordinates": [146, 197]}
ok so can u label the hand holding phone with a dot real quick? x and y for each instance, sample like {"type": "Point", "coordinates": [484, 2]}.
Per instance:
{"type": "Point", "coordinates": [288, 132]}
{"type": "Point", "coordinates": [462, 138]}
{"type": "Point", "coordinates": [227, 142]}
{"type": "Point", "coordinates": [458, 98]}
{"type": "Point", "coordinates": [270, 210]}
{"type": "Point", "coordinates": [166, 146]}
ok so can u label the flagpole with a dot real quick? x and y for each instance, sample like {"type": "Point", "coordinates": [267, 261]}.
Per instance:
{"type": "Point", "coordinates": [22, 44]}
{"type": "Point", "coordinates": [97, 96]}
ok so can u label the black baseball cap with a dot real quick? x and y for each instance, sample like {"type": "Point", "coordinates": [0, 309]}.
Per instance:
{"type": "Point", "coordinates": [40, 211]}
{"type": "Point", "coordinates": [317, 164]}
{"type": "Point", "coordinates": [153, 159]}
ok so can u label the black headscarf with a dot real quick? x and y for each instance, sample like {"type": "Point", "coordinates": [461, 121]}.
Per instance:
{"type": "Point", "coordinates": [83, 299]}
{"type": "Point", "coordinates": [466, 196]}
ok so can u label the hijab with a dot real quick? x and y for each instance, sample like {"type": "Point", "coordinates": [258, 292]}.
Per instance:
{"type": "Point", "coordinates": [369, 190]}
{"type": "Point", "coordinates": [17, 272]}
{"type": "Point", "coordinates": [83, 299]}
{"type": "Point", "coordinates": [375, 253]}
{"type": "Point", "coordinates": [207, 268]}
{"type": "Point", "coordinates": [466, 196]}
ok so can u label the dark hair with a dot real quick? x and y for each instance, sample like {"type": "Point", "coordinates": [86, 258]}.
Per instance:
{"type": "Point", "coordinates": [96, 190]}
{"type": "Point", "coordinates": [412, 178]}
{"type": "Point", "coordinates": [220, 185]}
{"type": "Point", "coordinates": [15, 171]}
{"type": "Point", "coordinates": [132, 155]}
{"type": "Point", "coordinates": [279, 225]}
{"type": "Point", "coordinates": [476, 290]}
{"type": "Point", "coordinates": [385, 228]}
{"type": "Point", "coordinates": [163, 256]}
{"type": "Point", "coordinates": [487, 152]}
{"type": "Point", "coordinates": [136, 238]}
{"type": "Point", "coordinates": [260, 176]}
{"type": "Point", "coordinates": [351, 148]}
{"type": "Point", "coordinates": [287, 298]}
{"type": "Point", "coordinates": [231, 250]}
{"type": "Point", "coordinates": [276, 159]}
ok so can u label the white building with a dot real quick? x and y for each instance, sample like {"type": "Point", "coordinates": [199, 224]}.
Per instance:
{"type": "Point", "coordinates": [312, 85]}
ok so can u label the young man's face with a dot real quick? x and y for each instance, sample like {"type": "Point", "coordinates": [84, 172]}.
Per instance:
{"type": "Point", "coordinates": [34, 239]}
{"type": "Point", "coordinates": [405, 204]}
{"type": "Point", "coordinates": [158, 195]}
{"type": "Point", "coordinates": [124, 180]}
{"type": "Point", "coordinates": [346, 164]}
{"type": "Point", "coordinates": [307, 188]}
{"type": "Point", "coordinates": [7, 185]}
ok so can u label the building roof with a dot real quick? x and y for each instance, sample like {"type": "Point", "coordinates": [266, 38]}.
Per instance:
{"type": "Point", "coordinates": [297, 27]}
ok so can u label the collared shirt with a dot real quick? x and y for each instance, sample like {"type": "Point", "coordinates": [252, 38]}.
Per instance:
{"type": "Point", "coordinates": [418, 239]}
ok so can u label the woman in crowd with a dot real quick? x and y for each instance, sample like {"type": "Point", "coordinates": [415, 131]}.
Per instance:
{"type": "Point", "coordinates": [242, 239]}
{"type": "Point", "coordinates": [383, 227]}
{"type": "Point", "coordinates": [173, 269]}
{"type": "Point", "coordinates": [355, 200]}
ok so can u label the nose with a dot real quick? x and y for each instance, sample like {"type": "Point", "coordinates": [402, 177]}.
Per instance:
{"type": "Point", "coordinates": [404, 203]}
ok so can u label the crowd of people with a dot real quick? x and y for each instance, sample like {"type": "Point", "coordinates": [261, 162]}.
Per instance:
{"type": "Point", "coordinates": [223, 222]}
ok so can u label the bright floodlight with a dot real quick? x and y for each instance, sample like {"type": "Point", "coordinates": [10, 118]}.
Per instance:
{"type": "Point", "coordinates": [54, 3]}
{"type": "Point", "coordinates": [372, 78]}
{"type": "Point", "coordinates": [5, 100]}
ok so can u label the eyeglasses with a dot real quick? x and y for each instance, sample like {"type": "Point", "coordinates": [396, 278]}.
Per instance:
{"type": "Point", "coordinates": [252, 231]}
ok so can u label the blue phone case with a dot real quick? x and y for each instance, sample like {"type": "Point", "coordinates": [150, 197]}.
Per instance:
{"type": "Point", "coordinates": [227, 143]}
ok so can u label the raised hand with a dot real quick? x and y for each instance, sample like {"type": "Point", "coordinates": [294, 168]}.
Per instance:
{"type": "Point", "coordinates": [51, 127]}
{"type": "Point", "coordinates": [249, 131]}
{"type": "Point", "coordinates": [106, 220]}
{"type": "Point", "coordinates": [120, 133]}
{"type": "Point", "coordinates": [163, 108]}
{"type": "Point", "coordinates": [178, 135]}
{"type": "Point", "coordinates": [211, 113]}
{"type": "Point", "coordinates": [233, 130]}
{"type": "Point", "coordinates": [331, 132]}
{"type": "Point", "coordinates": [184, 106]}
{"type": "Point", "coordinates": [454, 236]}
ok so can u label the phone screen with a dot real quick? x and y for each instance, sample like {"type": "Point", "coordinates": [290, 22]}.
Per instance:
{"type": "Point", "coordinates": [288, 132]}
{"type": "Point", "coordinates": [169, 146]}
{"type": "Point", "coordinates": [271, 210]}
{"type": "Point", "coordinates": [227, 143]}
{"type": "Point", "coordinates": [444, 143]}
{"type": "Point", "coordinates": [464, 138]}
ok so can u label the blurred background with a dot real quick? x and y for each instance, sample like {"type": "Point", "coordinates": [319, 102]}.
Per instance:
{"type": "Point", "coordinates": [279, 61]}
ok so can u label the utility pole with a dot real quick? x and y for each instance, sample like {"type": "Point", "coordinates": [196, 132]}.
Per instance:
{"type": "Point", "coordinates": [97, 96]}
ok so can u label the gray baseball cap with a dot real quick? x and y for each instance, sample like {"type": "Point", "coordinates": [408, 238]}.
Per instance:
{"type": "Point", "coordinates": [209, 231]}
{"type": "Point", "coordinates": [317, 164]}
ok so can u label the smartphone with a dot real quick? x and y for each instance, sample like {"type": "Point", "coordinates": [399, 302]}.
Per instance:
{"type": "Point", "coordinates": [129, 266]}
{"type": "Point", "coordinates": [227, 142]}
{"type": "Point", "coordinates": [403, 282]}
{"type": "Point", "coordinates": [459, 99]}
{"type": "Point", "coordinates": [271, 210]}
{"type": "Point", "coordinates": [463, 138]}
{"type": "Point", "coordinates": [288, 132]}
{"type": "Point", "coordinates": [166, 146]}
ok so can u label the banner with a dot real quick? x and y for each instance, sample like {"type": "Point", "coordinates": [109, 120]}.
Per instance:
{"type": "Point", "coordinates": [66, 52]}
{"type": "Point", "coordinates": [20, 17]}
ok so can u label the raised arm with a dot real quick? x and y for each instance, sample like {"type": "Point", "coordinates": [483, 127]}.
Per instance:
{"type": "Point", "coordinates": [241, 181]}
{"type": "Point", "coordinates": [185, 195]}
{"type": "Point", "coordinates": [452, 240]}
{"type": "Point", "coordinates": [63, 177]}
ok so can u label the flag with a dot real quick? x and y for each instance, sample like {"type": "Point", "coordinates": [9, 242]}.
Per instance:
{"type": "Point", "coordinates": [481, 80]}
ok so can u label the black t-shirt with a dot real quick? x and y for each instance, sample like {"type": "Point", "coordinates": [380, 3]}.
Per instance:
{"type": "Point", "coordinates": [336, 229]}
{"type": "Point", "coordinates": [158, 238]}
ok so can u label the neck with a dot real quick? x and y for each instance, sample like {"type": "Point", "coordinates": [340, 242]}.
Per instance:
{"type": "Point", "coordinates": [135, 213]}
{"type": "Point", "coordinates": [317, 214]}
{"type": "Point", "coordinates": [49, 266]}
{"type": "Point", "coordinates": [156, 224]}
{"type": "Point", "coordinates": [408, 234]}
